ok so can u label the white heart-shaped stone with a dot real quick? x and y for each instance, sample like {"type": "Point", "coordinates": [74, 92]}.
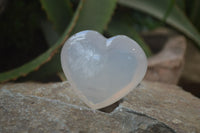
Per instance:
{"type": "Point", "coordinates": [101, 70]}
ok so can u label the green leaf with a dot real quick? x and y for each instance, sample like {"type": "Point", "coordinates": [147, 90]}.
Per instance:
{"type": "Point", "coordinates": [143, 22]}
{"type": "Point", "coordinates": [59, 12]}
{"type": "Point", "coordinates": [47, 70]}
{"type": "Point", "coordinates": [123, 24]}
{"type": "Point", "coordinates": [50, 34]}
{"type": "Point", "coordinates": [62, 76]}
{"type": "Point", "coordinates": [98, 22]}
{"type": "Point", "coordinates": [181, 4]}
{"type": "Point", "coordinates": [195, 10]}
{"type": "Point", "coordinates": [95, 15]}
{"type": "Point", "coordinates": [43, 58]}
{"type": "Point", "coordinates": [158, 8]}
{"type": "Point", "coordinates": [169, 9]}
{"type": "Point", "coordinates": [89, 15]}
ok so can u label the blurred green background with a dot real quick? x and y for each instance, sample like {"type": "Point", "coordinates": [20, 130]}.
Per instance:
{"type": "Point", "coordinates": [32, 32]}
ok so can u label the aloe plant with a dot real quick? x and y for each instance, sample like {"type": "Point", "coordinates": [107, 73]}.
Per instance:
{"type": "Point", "coordinates": [65, 17]}
{"type": "Point", "coordinates": [81, 20]}
{"type": "Point", "coordinates": [174, 17]}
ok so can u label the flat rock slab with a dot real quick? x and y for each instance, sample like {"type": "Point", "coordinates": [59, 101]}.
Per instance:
{"type": "Point", "coordinates": [54, 107]}
{"type": "Point", "coordinates": [170, 104]}
{"type": "Point", "coordinates": [50, 111]}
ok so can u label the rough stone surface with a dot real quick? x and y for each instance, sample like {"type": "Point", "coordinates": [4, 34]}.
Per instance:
{"type": "Point", "coordinates": [190, 78]}
{"type": "Point", "coordinates": [192, 66]}
{"type": "Point", "coordinates": [54, 91]}
{"type": "Point", "coordinates": [152, 107]}
{"type": "Point", "coordinates": [38, 108]}
{"type": "Point", "coordinates": [168, 104]}
{"type": "Point", "coordinates": [167, 65]}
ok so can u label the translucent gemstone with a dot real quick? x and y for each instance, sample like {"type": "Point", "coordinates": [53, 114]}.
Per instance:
{"type": "Point", "coordinates": [102, 70]}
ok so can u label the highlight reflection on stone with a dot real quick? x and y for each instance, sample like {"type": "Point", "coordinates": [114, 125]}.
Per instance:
{"type": "Point", "coordinates": [101, 70]}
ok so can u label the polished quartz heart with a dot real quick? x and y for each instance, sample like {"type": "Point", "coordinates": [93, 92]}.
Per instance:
{"type": "Point", "coordinates": [102, 70]}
